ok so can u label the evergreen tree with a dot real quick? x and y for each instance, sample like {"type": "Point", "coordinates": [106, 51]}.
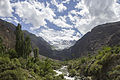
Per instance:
{"type": "Point", "coordinates": [27, 47]}
{"type": "Point", "coordinates": [19, 41]}
{"type": "Point", "coordinates": [36, 52]}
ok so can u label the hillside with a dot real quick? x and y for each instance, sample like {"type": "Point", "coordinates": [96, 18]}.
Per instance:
{"type": "Point", "coordinates": [44, 47]}
{"type": "Point", "coordinates": [7, 32]}
{"type": "Point", "coordinates": [102, 35]}
{"type": "Point", "coordinates": [105, 65]}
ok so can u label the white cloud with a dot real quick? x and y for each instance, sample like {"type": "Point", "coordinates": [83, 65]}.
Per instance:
{"type": "Point", "coordinates": [5, 8]}
{"type": "Point", "coordinates": [60, 7]}
{"type": "Point", "coordinates": [61, 39]}
{"type": "Point", "coordinates": [66, 1]}
{"type": "Point", "coordinates": [34, 13]}
{"type": "Point", "coordinates": [61, 22]}
{"type": "Point", "coordinates": [96, 12]}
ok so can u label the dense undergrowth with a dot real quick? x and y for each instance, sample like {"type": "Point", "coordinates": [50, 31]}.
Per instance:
{"type": "Point", "coordinates": [22, 69]}
{"type": "Point", "coordinates": [102, 66]}
{"type": "Point", "coordinates": [17, 64]}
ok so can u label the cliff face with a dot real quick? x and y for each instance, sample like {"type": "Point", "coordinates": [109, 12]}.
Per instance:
{"type": "Point", "coordinates": [102, 35]}
{"type": "Point", "coordinates": [7, 33]}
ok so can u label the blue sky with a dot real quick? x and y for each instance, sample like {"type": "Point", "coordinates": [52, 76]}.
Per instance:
{"type": "Point", "coordinates": [60, 20]}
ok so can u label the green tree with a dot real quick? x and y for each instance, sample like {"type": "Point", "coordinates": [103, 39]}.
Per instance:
{"type": "Point", "coordinates": [36, 53]}
{"type": "Point", "coordinates": [19, 41]}
{"type": "Point", "coordinates": [27, 47]}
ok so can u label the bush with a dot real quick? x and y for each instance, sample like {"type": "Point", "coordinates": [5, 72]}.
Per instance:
{"type": "Point", "coordinates": [12, 53]}
{"type": "Point", "coordinates": [72, 72]}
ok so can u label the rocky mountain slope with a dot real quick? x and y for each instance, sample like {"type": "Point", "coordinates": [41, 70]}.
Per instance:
{"type": "Point", "coordinates": [44, 47]}
{"type": "Point", "coordinates": [7, 32]}
{"type": "Point", "coordinates": [102, 35]}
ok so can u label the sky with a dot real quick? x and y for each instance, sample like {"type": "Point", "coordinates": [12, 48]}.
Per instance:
{"type": "Point", "coordinates": [60, 22]}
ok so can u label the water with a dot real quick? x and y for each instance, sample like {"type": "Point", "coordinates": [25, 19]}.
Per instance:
{"type": "Point", "coordinates": [63, 70]}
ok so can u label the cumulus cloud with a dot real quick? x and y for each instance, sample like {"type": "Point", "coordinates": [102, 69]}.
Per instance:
{"type": "Point", "coordinates": [96, 12]}
{"type": "Point", "coordinates": [37, 13]}
{"type": "Point", "coordinates": [60, 6]}
{"type": "Point", "coordinates": [34, 13]}
{"type": "Point", "coordinates": [61, 22]}
{"type": "Point", "coordinates": [5, 8]}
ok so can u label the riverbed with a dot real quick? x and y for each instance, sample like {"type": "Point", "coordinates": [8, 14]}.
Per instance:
{"type": "Point", "coordinates": [63, 70]}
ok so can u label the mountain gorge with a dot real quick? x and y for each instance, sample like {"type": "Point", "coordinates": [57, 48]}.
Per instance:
{"type": "Point", "coordinates": [96, 56]}
{"type": "Point", "coordinates": [102, 35]}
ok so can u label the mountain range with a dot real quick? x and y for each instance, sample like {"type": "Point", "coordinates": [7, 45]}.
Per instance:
{"type": "Point", "coordinates": [102, 35]}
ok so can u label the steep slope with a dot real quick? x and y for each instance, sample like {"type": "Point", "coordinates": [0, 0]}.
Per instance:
{"type": "Point", "coordinates": [7, 32]}
{"type": "Point", "coordinates": [105, 65]}
{"type": "Point", "coordinates": [44, 47]}
{"type": "Point", "coordinates": [102, 35]}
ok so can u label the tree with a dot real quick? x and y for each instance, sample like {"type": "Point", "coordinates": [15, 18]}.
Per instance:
{"type": "Point", "coordinates": [27, 47]}
{"type": "Point", "coordinates": [36, 53]}
{"type": "Point", "coordinates": [19, 41]}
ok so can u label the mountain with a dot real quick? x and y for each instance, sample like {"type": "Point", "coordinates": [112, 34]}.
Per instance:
{"type": "Point", "coordinates": [102, 35]}
{"type": "Point", "coordinates": [63, 44]}
{"type": "Point", "coordinates": [7, 32]}
{"type": "Point", "coordinates": [44, 47]}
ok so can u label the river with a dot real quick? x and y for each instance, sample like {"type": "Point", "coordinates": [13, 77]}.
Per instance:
{"type": "Point", "coordinates": [63, 70]}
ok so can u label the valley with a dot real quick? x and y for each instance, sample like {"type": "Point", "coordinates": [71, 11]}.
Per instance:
{"type": "Point", "coordinates": [24, 56]}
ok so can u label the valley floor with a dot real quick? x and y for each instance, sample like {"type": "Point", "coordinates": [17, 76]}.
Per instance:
{"type": "Point", "coordinates": [63, 70]}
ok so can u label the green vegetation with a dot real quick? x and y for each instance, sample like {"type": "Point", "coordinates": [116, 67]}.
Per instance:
{"type": "Point", "coordinates": [23, 46]}
{"type": "Point", "coordinates": [36, 53]}
{"type": "Point", "coordinates": [19, 47]}
{"type": "Point", "coordinates": [102, 66]}
{"type": "Point", "coordinates": [17, 64]}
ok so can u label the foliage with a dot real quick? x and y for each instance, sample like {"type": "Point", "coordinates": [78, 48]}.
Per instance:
{"type": "Point", "coordinates": [27, 47]}
{"type": "Point", "coordinates": [19, 47]}
{"type": "Point", "coordinates": [23, 46]}
{"type": "Point", "coordinates": [16, 64]}
{"type": "Point", "coordinates": [36, 53]}
{"type": "Point", "coordinates": [104, 65]}
{"type": "Point", "coordinates": [12, 53]}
